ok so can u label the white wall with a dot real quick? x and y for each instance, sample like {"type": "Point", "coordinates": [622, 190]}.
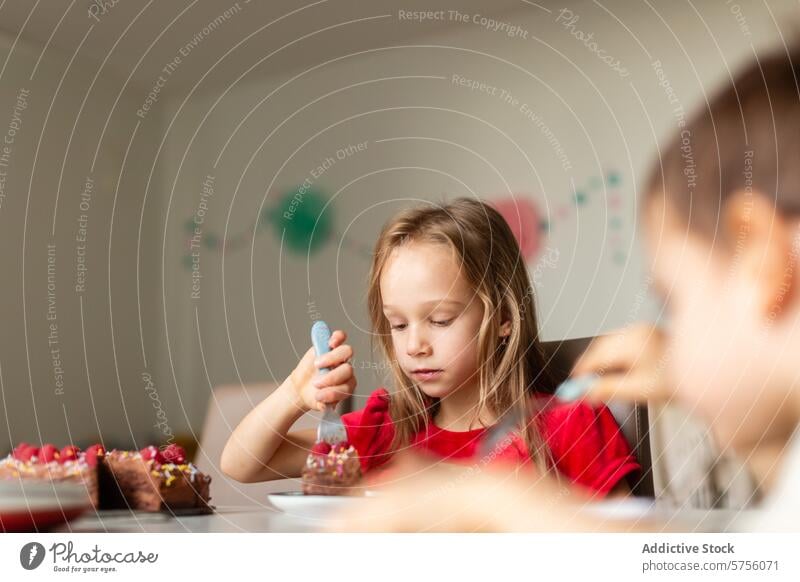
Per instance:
{"type": "Point", "coordinates": [602, 119]}
{"type": "Point", "coordinates": [447, 141]}
{"type": "Point", "coordinates": [52, 153]}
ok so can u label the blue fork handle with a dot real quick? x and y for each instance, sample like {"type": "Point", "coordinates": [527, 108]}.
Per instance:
{"type": "Point", "coordinates": [321, 337]}
{"type": "Point", "coordinates": [573, 388]}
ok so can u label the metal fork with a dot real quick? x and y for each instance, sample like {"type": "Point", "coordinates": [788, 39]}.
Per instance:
{"type": "Point", "coordinates": [498, 432]}
{"type": "Point", "coordinates": [568, 391]}
{"type": "Point", "coordinates": [330, 429]}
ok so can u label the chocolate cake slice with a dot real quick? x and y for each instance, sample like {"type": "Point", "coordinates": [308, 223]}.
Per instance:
{"type": "Point", "coordinates": [146, 480]}
{"type": "Point", "coordinates": [151, 480]}
{"type": "Point", "coordinates": [48, 463]}
{"type": "Point", "coordinates": [332, 470]}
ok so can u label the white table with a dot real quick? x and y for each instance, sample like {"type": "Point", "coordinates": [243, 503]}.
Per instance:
{"type": "Point", "coordinates": [265, 519]}
{"type": "Point", "coordinates": [223, 520]}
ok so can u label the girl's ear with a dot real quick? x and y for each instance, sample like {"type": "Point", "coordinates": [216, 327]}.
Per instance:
{"type": "Point", "coordinates": [505, 320]}
{"type": "Point", "coordinates": [763, 244]}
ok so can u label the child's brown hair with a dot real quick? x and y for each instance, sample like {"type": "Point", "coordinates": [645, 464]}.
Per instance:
{"type": "Point", "coordinates": [490, 259]}
{"type": "Point", "coordinates": [746, 139]}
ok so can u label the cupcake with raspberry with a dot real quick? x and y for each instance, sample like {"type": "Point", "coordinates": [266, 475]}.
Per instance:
{"type": "Point", "coordinates": [332, 470]}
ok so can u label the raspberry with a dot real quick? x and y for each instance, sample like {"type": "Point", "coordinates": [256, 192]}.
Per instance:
{"type": "Point", "coordinates": [321, 448]}
{"type": "Point", "coordinates": [93, 454]}
{"type": "Point", "coordinates": [341, 447]}
{"type": "Point", "coordinates": [18, 450]}
{"type": "Point", "coordinates": [21, 446]}
{"type": "Point", "coordinates": [69, 453]}
{"type": "Point", "coordinates": [48, 453]}
{"type": "Point", "coordinates": [174, 454]}
{"type": "Point", "coordinates": [153, 453]}
{"type": "Point", "coordinates": [25, 452]}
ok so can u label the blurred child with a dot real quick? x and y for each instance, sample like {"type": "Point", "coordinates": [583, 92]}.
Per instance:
{"type": "Point", "coordinates": [452, 308]}
{"type": "Point", "coordinates": [721, 214]}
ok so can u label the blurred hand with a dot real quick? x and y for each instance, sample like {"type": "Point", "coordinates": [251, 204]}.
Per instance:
{"type": "Point", "coordinates": [419, 495]}
{"type": "Point", "coordinates": [314, 390]}
{"type": "Point", "coordinates": [631, 363]}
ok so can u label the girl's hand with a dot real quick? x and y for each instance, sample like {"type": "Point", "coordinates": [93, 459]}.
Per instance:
{"type": "Point", "coordinates": [631, 362]}
{"type": "Point", "coordinates": [313, 390]}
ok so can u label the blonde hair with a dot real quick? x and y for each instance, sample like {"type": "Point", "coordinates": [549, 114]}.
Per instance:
{"type": "Point", "coordinates": [511, 370]}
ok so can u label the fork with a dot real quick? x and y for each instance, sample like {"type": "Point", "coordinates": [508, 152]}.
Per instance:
{"type": "Point", "coordinates": [568, 391]}
{"type": "Point", "coordinates": [330, 429]}
{"type": "Point", "coordinates": [498, 432]}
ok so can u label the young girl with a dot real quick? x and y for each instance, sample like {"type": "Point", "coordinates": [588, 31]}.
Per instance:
{"type": "Point", "coordinates": [452, 307]}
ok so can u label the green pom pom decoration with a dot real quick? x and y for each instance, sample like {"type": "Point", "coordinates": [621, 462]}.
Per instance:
{"type": "Point", "coordinates": [210, 241]}
{"type": "Point", "coordinates": [299, 217]}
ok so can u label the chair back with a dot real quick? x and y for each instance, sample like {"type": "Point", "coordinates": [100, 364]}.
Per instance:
{"type": "Point", "coordinates": [632, 418]}
{"type": "Point", "coordinates": [226, 408]}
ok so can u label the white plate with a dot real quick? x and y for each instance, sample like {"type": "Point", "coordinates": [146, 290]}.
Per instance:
{"type": "Point", "coordinates": [297, 504]}
{"type": "Point", "coordinates": [29, 505]}
{"type": "Point", "coordinates": [626, 508]}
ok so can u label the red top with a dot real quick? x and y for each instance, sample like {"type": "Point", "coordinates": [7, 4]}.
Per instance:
{"type": "Point", "coordinates": [585, 441]}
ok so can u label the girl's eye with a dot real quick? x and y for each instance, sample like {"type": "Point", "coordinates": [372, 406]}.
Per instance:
{"type": "Point", "coordinates": [399, 326]}
{"type": "Point", "coordinates": [442, 323]}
